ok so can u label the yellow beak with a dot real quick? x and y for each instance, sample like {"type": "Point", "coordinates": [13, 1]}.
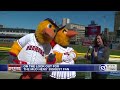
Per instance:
{"type": "Point", "coordinates": [49, 33]}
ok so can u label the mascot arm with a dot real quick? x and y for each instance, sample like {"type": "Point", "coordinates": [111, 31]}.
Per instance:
{"type": "Point", "coordinates": [73, 54]}
{"type": "Point", "coordinates": [51, 59]}
{"type": "Point", "coordinates": [68, 56]}
{"type": "Point", "coordinates": [58, 56]}
{"type": "Point", "coordinates": [19, 44]}
{"type": "Point", "coordinates": [15, 49]}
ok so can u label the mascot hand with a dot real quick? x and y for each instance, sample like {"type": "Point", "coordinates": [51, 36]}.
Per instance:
{"type": "Point", "coordinates": [51, 59]}
{"type": "Point", "coordinates": [11, 59]}
{"type": "Point", "coordinates": [72, 55]}
{"type": "Point", "coordinates": [14, 60]}
{"type": "Point", "coordinates": [66, 58]}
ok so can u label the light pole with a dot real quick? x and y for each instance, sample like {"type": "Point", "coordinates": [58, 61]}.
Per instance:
{"type": "Point", "coordinates": [104, 18]}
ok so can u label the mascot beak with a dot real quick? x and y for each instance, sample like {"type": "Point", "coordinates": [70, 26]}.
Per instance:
{"type": "Point", "coordinates": [71, 33]}
{"type": "Point", "coordinates": [49, 33]}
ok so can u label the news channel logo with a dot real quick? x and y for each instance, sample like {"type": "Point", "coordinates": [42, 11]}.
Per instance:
{"type": "Point", "coordinates": [14, 68]}
{"type": "Point", "coordinates": [108, 67]}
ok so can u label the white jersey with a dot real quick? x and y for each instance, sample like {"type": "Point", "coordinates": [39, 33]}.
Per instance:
{"type": "Point", "coordinates": [32, 52]}
{"type": "Point", "coordinates": [63, 74]}
{"type": "Point", "coordinates": [60, 49]}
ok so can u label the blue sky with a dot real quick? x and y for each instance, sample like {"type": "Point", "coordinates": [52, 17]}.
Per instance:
{"type": "Point", "coordinates": [30, 19]}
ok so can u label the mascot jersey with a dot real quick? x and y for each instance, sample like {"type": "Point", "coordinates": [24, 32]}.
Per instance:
{"type": "Point", "coordinates": [63, 74]}
{"type": "Point", "coordinates": [34, 52]}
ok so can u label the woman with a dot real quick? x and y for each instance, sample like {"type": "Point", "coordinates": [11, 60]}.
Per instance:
{"type": "Point", "coordinates": [100, 55]}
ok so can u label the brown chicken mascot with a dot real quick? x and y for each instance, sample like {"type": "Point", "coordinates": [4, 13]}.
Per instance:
{"type": "Point", "coordinates": [34, 48]}
{"type": "Point", "coordinates": [63, 53]}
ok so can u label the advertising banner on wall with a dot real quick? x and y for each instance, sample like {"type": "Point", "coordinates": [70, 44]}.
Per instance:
{"type": "Point", "coordinates": [93, 30]}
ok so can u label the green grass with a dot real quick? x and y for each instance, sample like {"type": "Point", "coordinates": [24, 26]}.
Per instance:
{"type": "Point", "coordinates": [3, 58]}
{"type": "Point", "coordinates": [3, 61]}
{"type": "Point", "coordinates": [80, 48]}
{"type": "Point", "coordinates": [114, 52]}
{"type": "Point", "coordinates": [83, 49]}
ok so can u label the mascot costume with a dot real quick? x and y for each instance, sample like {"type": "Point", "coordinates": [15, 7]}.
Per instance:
{"type": "Point", "coordinates": [34, 48]}
{"type": "Point", "coordinates": [63, 53]}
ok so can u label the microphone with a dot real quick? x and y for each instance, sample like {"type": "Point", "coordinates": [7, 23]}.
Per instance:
{"type": "Point", "coordinates": [90, 47]}
{"type": "Point", "coordinates": [87, 54]}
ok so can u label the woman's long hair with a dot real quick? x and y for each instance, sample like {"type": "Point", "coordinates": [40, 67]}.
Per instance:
{"type": "Point", "coordinates": [104, 39]}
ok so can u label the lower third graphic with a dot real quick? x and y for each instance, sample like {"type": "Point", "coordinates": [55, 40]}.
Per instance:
{"type": "Point", "coordinates": [102, 67]}
{"type": "Point", "coordinates": [108, 67]}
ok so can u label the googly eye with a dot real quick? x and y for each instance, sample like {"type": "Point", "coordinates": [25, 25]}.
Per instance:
{"type": "Point", "coordinates": [49, 25]}
{"type": "Point", "coordinates": [64, 30]}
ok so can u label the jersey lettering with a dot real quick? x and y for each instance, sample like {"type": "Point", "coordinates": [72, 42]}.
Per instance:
{"type": "Point", "coordinates": [36, 49]}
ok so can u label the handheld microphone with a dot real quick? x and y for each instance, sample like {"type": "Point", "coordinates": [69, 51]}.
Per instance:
{"type": "Point", "coordinates": [87, 54]}
{"type": "Point", "coordinates": [90, 47]}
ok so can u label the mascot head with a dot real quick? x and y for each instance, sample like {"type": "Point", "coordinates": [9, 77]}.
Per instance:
{"type": "Point", "coordinates": [46, 31]}
{"type": "Point", "coordinates": [63, 36]}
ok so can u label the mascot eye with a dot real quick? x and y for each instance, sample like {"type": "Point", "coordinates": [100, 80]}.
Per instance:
{"type": "Point", "coordinates": [54, 30]}
{"type": "Point", "coordinates": [49, 25]}
{"type": "Point", "coordinates": [64, 30]}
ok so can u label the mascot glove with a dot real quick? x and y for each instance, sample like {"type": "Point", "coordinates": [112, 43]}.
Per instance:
{"type": "Point", "coordinates": [72, 55]}
{"type": "Point", "coordinates": [51, 59]}
{"type": "Point", "coordinates": [12, 58]}
{"type": "Point", "coordinates": [66, 58]}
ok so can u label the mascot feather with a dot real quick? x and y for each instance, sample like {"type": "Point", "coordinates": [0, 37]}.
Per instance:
{"type": "Point", "coordinates": [35, 48]}
{"type": "Point", "coordinates": [63, 53]}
